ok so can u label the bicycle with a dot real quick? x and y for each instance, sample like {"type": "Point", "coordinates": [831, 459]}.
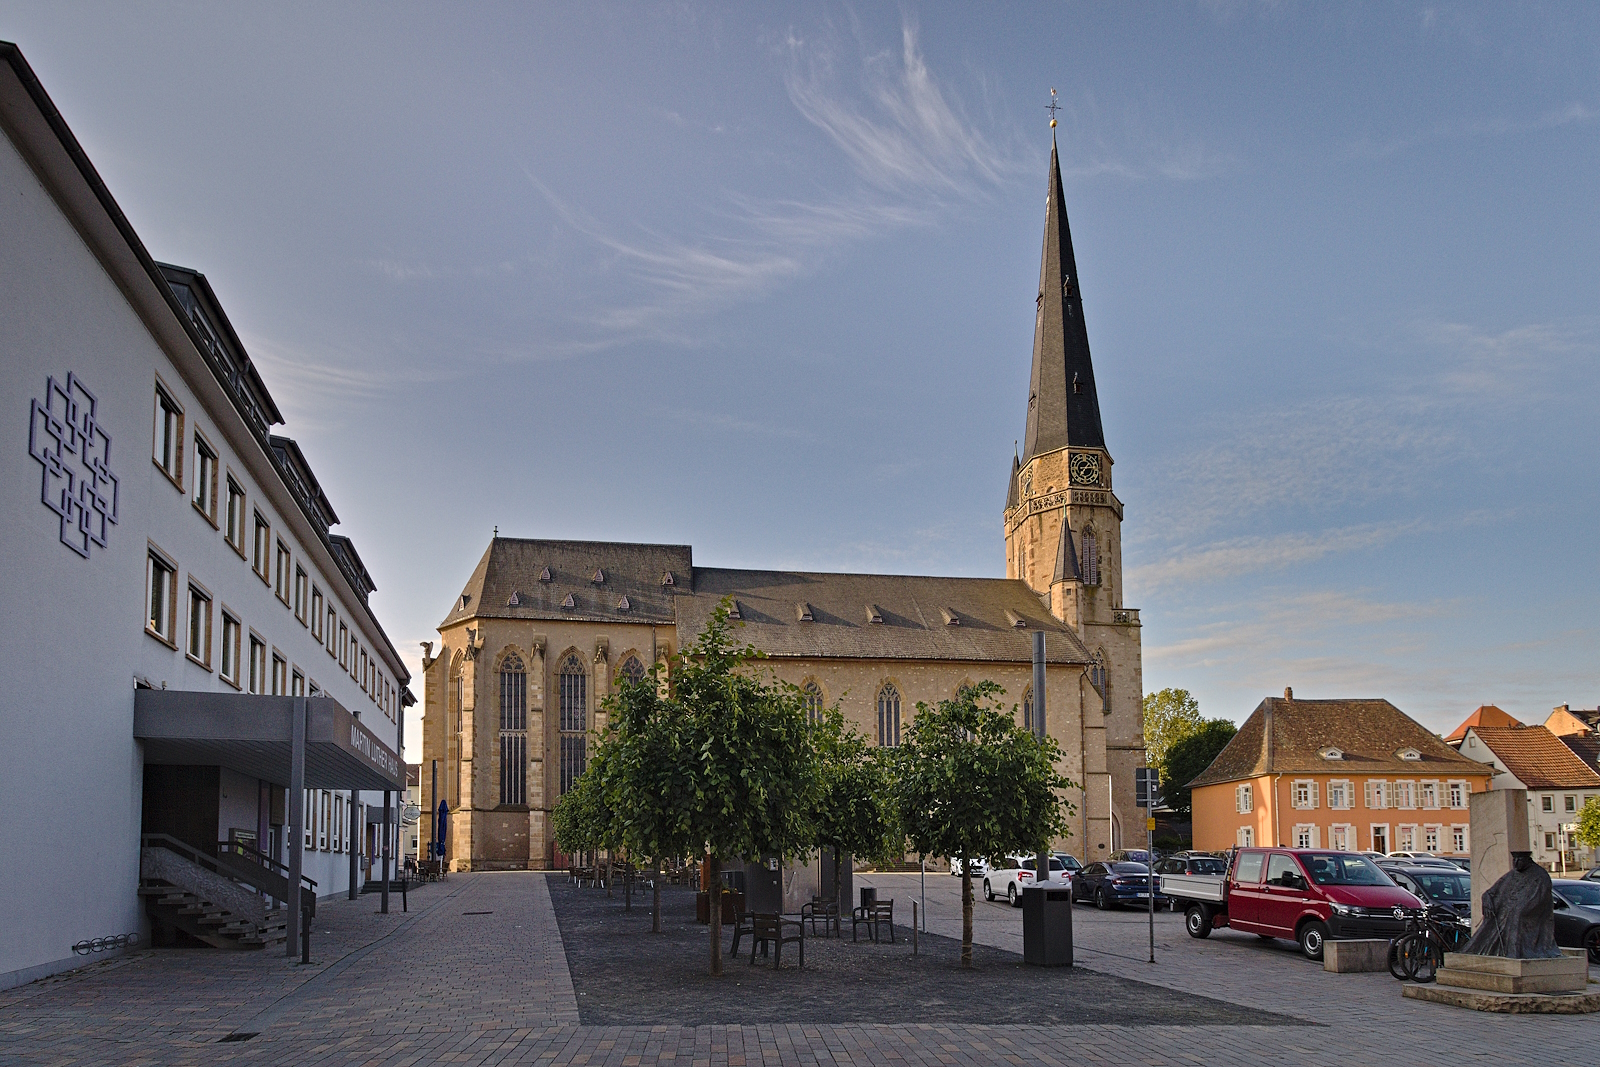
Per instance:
{"type": "Point", "coordinates": [1418, 952]}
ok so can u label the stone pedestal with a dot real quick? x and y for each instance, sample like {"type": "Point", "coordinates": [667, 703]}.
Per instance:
{"type": "Point", "coordinates": [1347, 957]}
{"type": "Point", "coordinates": [1494, 983]}
{"type": "Point", "coordinates": [1499, 828]}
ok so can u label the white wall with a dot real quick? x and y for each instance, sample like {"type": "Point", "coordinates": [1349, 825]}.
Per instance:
{"type": "Point", "coordinates": [75, 635]}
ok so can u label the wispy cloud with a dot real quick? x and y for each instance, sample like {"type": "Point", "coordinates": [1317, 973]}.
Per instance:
{"type": "Point", "coordinates": [1574, 113]}
{"type": "Point", "coordinates": [1138, 140]}
{"type": "Point", "coordinates": [1231, 559]}
{"type": "Point", "coordinates": [904, 132]}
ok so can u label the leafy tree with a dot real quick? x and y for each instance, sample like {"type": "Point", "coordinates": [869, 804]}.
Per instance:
{"type": "Point", "coordinates": [1188, 757]}
{"type": "Point", "coordinates": [1588, 832]}
{"type": "Point", "coordinates": [1169, 716]}
{"type": "Point", "coordinates": [970, 782]}
{"type": "Point", "coordinates": [855, 811]}
{"type": "Point", "coordinates": [581, 819]}
{"type": "Point", "coordinates": [748, 780]}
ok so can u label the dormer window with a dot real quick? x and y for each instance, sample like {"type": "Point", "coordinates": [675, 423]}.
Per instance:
{"type": "Point", "coordinates": [1410, 755]}
{"type": "Point", "coordinates": [544, 574]}
{"type": "Point", "coordinates": [513, 600]}
{"type": "Point", "coordinates": [623, 605]}
{"type": "Point", "coordinates": [599, 576]}
{"type": "Point", "coordinates": [950, 617]}
{"type": "Point", "coordinates": [874, 613]}
{"type": "Point", "coordinates": [666, 578]}
{"type": "Point", "coordinates": [1331, 753]}
{"type": "Point", "coordinates": [466, 598]}
{"type": "Point", "coordinates": [1016, 620]}
{"type": "Point", "coordinates": [802, 612]}
{"type": "Point", "coordinates": [569, 602]}
{"type": "Point", "coordinates": [734, 611]}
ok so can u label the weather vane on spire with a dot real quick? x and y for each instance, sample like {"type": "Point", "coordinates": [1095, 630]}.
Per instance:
{"type": "Point", "coordinates": [1053, 107]}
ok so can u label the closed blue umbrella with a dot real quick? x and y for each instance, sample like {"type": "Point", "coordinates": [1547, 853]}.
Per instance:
{"type": "Point", "coordinates": [443, 829]}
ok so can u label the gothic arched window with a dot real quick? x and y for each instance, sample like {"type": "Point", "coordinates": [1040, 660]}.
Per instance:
{"type": "Point", "coordinates": [811, 693]}
{"type": "Point", "coordinates": [632, 671]}
{"type": "Point", "coordinates": [574, 697]}
{"type": "Point", "coordinates": [1101, 680]}
{"type": "Point", "coordinates": [513, 731]}
{"type": "Point", "coordinates": [1091, 558]}
{"type": "Point", "coordinates": [889, 716]}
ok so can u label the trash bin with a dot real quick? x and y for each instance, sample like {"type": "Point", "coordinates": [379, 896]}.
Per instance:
{"type": "Point", "coordinates": [869, 896]}
{"type": "Point", "coordinates": [1047, 927]}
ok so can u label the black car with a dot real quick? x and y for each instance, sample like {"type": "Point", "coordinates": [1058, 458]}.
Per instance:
{"type": "Point", "coordinates": [1577, 904]}
{"type": "Point", "coordinates": [1193, 863]}
{"type": "Point", "coordinates": [1106, 885]}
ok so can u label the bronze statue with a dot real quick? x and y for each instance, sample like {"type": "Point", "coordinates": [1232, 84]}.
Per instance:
{"type": "Point", "coordinates": [1518, 919]}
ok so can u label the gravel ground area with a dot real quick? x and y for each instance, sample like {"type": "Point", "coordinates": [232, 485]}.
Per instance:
{"type": "Point", "coordinates": [624, 975]}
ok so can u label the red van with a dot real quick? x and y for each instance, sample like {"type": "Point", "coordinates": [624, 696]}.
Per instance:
{"type": "Point", "coordinates": [1306, 895]}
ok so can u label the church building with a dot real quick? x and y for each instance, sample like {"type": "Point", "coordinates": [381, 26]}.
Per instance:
{"type": "Point", "coordinates": [543, 631]}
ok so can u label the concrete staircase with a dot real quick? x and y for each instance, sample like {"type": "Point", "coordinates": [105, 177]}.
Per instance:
{"type": "Point", "coordinates": [178, 909]}
{"type": "Point", "coordinates": [220, 898]}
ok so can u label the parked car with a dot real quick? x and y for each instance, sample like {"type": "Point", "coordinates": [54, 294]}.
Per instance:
{"type": "Point", "coordinates": [1307, 895]}
{"type": "Point", "coordinates": [1419, 861]}
{"type": "Point", "coordinates": [1592, 876]}
{"type": "Point", "coordinates": [1191, 863]}
{"type": "Point", "coordinates": [1069, 862]}
{"type": "Point", "coordinates": [1108, 884]}
{"type": "Point", "coordinates": [1448, 887]}
{"type": "Point", "coordinates": [1577, 905]}
{"type": "Point", "coordinates": [978, 865]}
{"type": "Point", "coordinates": [1129, 855]}
{"type": "Point", "coordinates": [1015, 873]}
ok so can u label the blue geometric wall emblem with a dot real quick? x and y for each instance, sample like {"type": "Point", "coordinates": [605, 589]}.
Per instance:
{"type": "Point", "coordinates": [75, 452]}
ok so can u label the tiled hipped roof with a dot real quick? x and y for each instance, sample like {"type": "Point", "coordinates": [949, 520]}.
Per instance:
{"type": "Point", "coordinates": [591, 581]}
{"type": "Point", "coordinates": [1486, 715]}
{"type": "Point", "coordinates": [1286, 735]}
{"type": "Point", "coordinates": [1586, 747]}
{"type": "Point", "coordinates": [1537, 757]}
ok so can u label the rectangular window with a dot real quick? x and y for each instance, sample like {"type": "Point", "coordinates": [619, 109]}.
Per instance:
{"type": "Point", "coordinates": [310, 810]}
{"type": "Point", "coordinates": [1339, 837]}
{"type": "Point", "coordinates": [262, 560]}
{"type": "Point", "coordinates": [1429, 794]}
{"type": "Point", "coordinates": [258, 665]}
{"type": "Point", "coordinates": [1406, 837]}
{"type": "Point", "coordinates": [1305, 836]}
{"type": "Point", "coordinates": [344, 646]}
{"type": "Point", "coordinates": [1458, 839]}
{"type": "Point", "coordinates": [160, 596]}
{"type": "Point", "coordinates": [1338, 795]}
{"type": "Point", "coordinates": [1405, 794]}
{"type": "Point", "coordinates": [230, 649]}
{"type": "Point", "coordinates": [1430, 839]}
{"type": "Point", "coordinates": [333, 637]}
{"type": "Point", "coordinates": [1380, 837]}
{"type": "Point", "coordinates": [205, 479]}
{"type": "Point", "coordinates": [280, 676]}
{"type": "Point", "coordinates": [282, 572]}
{"type": "Point", "coordinates": [168, 452]}
{"type": "Point", "coordinates": [199, 626]}
{"type": "Point", "coordinates": [355, 663]}
{"type": "Point", "coordinates": [324, 802]}
{"type": "Point", "coordinates": [1458, 794]}
{"type": "Point", "coordinates": [361, 675]}
{"type": "Point", "coordinates": [338, 822]}
{"type": "Point", "coordinates": [300, 583]}
{"type": "Point", "coordinates": [1246, 836]}
{"type": "Point", "coordinates": [1550, 842]}
{"type": "Point", "coordinates": [1304, 793]}
{"type": "Point", "coordinates": [312, 688]}
{"type": "Point", "coordinates": [316, 614]}
{"type": "Point", "coordinates": [233, 528]}
{"type": "Point", "coordinates": [1571, 803]}
{"type": "Point", "coordinates": [1244, 799]}
{"type": "Point", "coordinates": [1377, 795]}
{"type": "Point", "coordinates": [1547, 803]}
{"type": "Point", "coordinates": [297, 683]}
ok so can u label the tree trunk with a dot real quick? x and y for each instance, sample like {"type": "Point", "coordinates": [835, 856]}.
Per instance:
{"type": "Point", "coordinates": [609, 872]}
{"type": "Point", "coordinates": [966, 914]}
{"type": "Point", "coordinates": [714, 911]}
{"type": "Point", "coordinates": [655, 892]}
{"type": "Point", "coordinates": [627, 882]}
{"type": "Point", "coordinates": [837, 880]}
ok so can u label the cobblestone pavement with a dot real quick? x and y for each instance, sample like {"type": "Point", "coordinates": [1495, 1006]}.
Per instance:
{"type": "Point", "coordinates": [475, 974]}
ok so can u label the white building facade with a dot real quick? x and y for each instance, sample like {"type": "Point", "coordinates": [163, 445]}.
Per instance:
{"type": "Point", "coordinates": [157, 537]}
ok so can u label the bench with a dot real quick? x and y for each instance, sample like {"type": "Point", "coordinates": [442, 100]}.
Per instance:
{"type": "Point", "coordinates": [873, 916]}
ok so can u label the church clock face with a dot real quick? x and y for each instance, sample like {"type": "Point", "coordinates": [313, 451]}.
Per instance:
{"type": "Point", "coordinates": [1085, 467]}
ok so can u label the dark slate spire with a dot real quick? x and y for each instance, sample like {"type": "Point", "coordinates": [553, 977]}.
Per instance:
{"type": "Point", "coordinates": [1012, 494]}
{"type": "Point", "coordinates": [1066, 555]}
{"type": "Point", "coordinates": [1063, 408]}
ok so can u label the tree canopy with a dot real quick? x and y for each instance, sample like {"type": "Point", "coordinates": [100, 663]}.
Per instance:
{"type": "Point", "coordinates": [855, 811]}
{"type": "Point", "coordinates": [1169, 716]}
{"type": "Point", "coordinates": [971, 782]}
{"type": "Point", "coordinates": [1588, 832]}
{"type": "Point", "coordinates": [1188, 757]}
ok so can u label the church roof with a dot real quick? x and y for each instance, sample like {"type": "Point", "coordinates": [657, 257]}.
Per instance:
{"type": "Point", "coordinates": [1586, 747]}
{"type": "Point", "coordinates": [1287, 735]}
{"type": "Point", "coordinates": [1063, 407]}
{"type": "Point", "coordinates": [879, 616]}
{"type": "Point", "coordinates": [1486, 715]}
{"type": "Point", "coordinates": [1537, 757]}
{"type": "Point", "coordinates": [593, 581]}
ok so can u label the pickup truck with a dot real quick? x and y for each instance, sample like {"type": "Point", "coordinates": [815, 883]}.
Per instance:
{"type": "Point", "coordinates": [1304, 895]}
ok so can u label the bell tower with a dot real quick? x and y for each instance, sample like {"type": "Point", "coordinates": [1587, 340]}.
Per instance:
{"type": "Point", "coordinates": [1063, 521]}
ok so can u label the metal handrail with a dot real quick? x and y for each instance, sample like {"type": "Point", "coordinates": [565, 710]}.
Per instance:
{"type": "Point", "coordinates": [262, 878]}
{"type": "Point", "coordinates": [239, 848]}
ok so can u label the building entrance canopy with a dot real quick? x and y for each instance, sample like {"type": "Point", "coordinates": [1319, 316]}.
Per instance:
{"type": "Point", "coordinates": [255, 735]}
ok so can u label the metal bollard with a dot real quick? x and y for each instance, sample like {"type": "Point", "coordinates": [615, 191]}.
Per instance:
{"type": "Point", "coordinates": [915, 926]}
{"type": "Point", "coordinates": [404, 878]}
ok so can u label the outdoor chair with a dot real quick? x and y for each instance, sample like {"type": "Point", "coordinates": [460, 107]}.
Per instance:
{"type": "Point", "coordinates": [777, 931]}
{"type": "Point", "coordinates": [744, 926]}
{"type": "Point", "coordinates": [824, 910]}
{"type": "Point", "coordinates": [872, 916]}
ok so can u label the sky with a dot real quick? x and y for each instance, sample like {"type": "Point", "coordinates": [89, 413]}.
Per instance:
{"type": "Point", "coordinates": [760, 278]}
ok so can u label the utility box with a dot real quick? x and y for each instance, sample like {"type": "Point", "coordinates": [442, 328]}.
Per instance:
{"type": "Point", "coordinates": [1047, 927]}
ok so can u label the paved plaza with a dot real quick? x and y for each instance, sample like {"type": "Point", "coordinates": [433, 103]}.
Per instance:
{"type": "Point", "coordinates": [476, 974]}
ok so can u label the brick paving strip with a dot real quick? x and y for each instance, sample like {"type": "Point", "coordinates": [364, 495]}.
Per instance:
{"type": "Point", "coordinates": [442, 986]}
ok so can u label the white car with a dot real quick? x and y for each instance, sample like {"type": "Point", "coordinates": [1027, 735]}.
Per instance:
{"type": "Point", "coordinates": [1015, 873]}
{"type": "Point", "coordinates": [978, 864]}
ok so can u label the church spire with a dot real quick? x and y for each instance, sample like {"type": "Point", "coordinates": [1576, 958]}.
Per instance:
{"type": "Point", "coordinates": [1063, 408]}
